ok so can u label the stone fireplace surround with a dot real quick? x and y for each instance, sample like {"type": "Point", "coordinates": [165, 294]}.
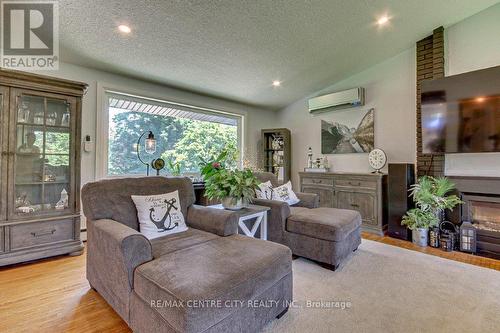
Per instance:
{"type": "Point", "coordinates": [480, 193]}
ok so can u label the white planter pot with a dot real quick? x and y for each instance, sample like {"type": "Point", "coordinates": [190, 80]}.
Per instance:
{"type": "Point", "coordinates": [232, 203]}
{"type": "Point", "coordinates": [420, 236]}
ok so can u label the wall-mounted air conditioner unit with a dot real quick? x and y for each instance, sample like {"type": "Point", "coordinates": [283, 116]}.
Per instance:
{"type": "Point", "coordinates": [338, 100]}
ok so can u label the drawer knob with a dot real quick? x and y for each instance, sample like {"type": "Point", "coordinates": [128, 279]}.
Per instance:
{"type": "Point", "coordinates": [355, 184]}
{"type": "Point", "coordinates": [317, 181]}
{"type": "Point", "coordinates": [43, 233]}
{"type": "Point", "coordinates": [355, 205]}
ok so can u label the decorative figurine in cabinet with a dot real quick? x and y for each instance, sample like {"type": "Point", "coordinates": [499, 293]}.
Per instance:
{"type": "Point", "coordinates": [40, 126]}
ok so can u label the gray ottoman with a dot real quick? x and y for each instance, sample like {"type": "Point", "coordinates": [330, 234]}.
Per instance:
{"type": "Point", "coordinates": [326, 235]}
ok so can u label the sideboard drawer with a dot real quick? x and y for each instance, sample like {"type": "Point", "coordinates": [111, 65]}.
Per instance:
{"type": "Point", "coordinates": [354, 183]}
{"type": "Point", "coordinates": [33, 234]}
{"type": "Point", "coordinates": [2, 239]}
{"type": "Point", "coordinates": [317, 181]}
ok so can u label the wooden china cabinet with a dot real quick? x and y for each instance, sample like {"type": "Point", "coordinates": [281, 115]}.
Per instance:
{"type": "Point", "coordinates": [40, 137]}
{"type": "Point", "coordinates": [276, 150]}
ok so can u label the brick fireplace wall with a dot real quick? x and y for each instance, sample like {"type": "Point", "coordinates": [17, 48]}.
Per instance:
{"type": "Point", "coordinates": [430, 65]}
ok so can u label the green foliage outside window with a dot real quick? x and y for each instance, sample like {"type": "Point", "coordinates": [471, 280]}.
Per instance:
{"type": "Point", "coordinates": [180, 142]}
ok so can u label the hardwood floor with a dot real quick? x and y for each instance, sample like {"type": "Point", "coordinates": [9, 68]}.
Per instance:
{"type": "Point", "coordinates": [455, 255]}
{"type": "Point", "coordinates": [53, 295]}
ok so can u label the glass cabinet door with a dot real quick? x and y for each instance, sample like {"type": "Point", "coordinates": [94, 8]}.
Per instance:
{"type": "Point", "coordinates": [4, 125]}
{"type": "Point", "coordinates": [42, 155]}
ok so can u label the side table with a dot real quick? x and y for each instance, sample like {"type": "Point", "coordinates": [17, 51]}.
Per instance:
{"type": "Point", "coordinates": [251, 212]}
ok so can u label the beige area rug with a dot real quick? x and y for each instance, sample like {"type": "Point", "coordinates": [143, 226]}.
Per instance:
{"type": "Point", "coordinates": [391, 289]}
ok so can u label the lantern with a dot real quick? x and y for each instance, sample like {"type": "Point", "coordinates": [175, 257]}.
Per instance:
{"type": "Point", "coordinates": [447, 236]}
{"type": "Point", "coordinates": [467, 237]}
{"type": "Point", "coordinates": [150, 143]}
{"type": "Point", "coordinates": [149, 147]}
{"type": "Point", "coordinates": [446, 241]}
{"type": "Point", "coordinates": [434, 237]}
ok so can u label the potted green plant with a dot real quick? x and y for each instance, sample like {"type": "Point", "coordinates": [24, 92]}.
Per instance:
{"type": "Point", "coordinates": [419, 221]}
{"type": "Point", "coordinates": [432, 193]}
{"type": "Point", "coordinates": [226, 159]}
{"type": "Point", "coordinates": [235, 188]}
{"type": "Point", "coordinates": [432, 197]}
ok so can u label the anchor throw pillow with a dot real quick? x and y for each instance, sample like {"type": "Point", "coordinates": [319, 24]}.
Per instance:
{"type": "Point", "coordinates": [280, 193]}
{"type": "Point", "coordinates": [159, 215]}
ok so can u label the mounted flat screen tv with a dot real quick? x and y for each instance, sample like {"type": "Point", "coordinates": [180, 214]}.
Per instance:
{"type": "Point", "coordinates": [461, 113]}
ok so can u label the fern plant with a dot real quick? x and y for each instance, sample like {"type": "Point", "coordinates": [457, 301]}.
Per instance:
{"type": "Point", "coordinates": [431, 193]}
{"type": "Point", "coordinates": [431, 196]}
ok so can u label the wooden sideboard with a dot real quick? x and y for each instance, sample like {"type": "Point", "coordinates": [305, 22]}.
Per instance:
{"type": "Point", "coordinates": [362, 192]}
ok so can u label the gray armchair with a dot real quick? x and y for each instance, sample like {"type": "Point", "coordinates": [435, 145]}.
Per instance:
{"type": "Point", "coordinates": [131, 272]}
{"type": "Point", "coordinates": [326, 235]}
{"type": "Point", "coordinates": [280, 211]}
{"type": "Point", "coordinates": [307, 200]}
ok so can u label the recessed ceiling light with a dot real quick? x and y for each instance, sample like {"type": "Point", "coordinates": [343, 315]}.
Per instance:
{"type": "Point", "coordinates": [276, 83]}
{"type": "Point", "coordinates": [124, 28]}
{"type": "Point", "coordinates": [383, 20]}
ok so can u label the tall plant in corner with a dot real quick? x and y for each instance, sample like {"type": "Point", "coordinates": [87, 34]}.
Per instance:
{"type": "Point", "coordinates": [432, 197]}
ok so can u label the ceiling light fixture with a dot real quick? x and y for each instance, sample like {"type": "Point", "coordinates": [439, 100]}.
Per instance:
{"type": "Point", "coordinates": [480, 99]}
{"type": "Point", "coordinates": [124, 28]}
{"type": "Point", "coordinates": [276, 83]}
{"type": "Point", "coordinates": [383, 20]}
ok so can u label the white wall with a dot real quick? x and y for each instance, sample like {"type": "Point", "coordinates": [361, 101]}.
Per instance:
{"type": "Point", "coordinates": [473, 44]}
{"type": "Point", "coordinates": [390, 90]}
{"type": "Point", "coordinates": [255, 119]}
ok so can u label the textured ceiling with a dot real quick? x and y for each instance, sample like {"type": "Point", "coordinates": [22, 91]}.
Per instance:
{"type": "Point", "coordinates": [234, 49]}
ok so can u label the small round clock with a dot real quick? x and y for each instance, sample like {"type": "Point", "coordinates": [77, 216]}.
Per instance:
{"type": "Point", "coordinates": [377, 159]}
{"type": "Point", "coordinates": [158, 164]}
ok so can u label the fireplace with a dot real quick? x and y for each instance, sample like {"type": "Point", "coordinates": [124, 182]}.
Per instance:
{"type": "Point", "coordinates": [481, 207]}
{"type": "Point", "coordinates": [482, 211]}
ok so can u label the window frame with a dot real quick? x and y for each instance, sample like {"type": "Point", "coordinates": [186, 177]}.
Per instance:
{"type": "Point", "coordinates": [102, 125]}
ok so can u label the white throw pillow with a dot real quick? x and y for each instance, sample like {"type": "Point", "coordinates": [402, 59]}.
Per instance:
{"type": "Point", "coordinates": [280, 193]}
{"type": "Point", "coordinates": [159, 215]}
{"type": "Point", "coordinates": [265, 191]}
